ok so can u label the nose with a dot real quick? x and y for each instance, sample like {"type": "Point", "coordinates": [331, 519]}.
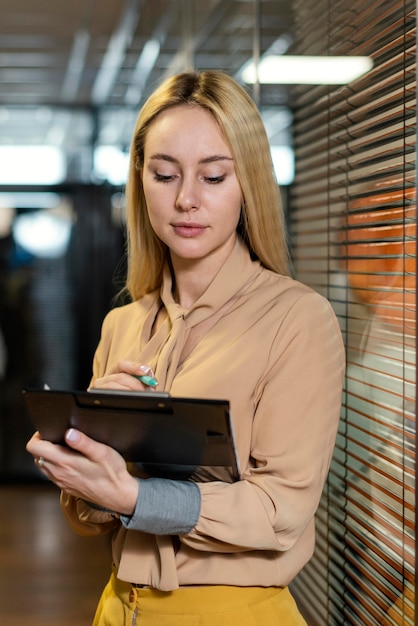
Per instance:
{"type": "Point", "coordinates": [188, 196]}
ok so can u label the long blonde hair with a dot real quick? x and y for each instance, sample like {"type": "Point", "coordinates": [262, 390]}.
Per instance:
{"type": "Point", "coordinates": [262, 222]}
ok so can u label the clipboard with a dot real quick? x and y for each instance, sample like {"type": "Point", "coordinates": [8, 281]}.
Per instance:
{"type": "Point", "coordinates": [159, 435]}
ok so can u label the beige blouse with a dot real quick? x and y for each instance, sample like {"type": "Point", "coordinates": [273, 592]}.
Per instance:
{"type": "Point", "coordinates": [273, 347]}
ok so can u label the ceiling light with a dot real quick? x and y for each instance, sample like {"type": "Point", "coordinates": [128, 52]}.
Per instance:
{"type": "Point", "coordinates": [143, 69]}
{"type": "Point", "coordinates": [31, 165]}
{"type": "Point", "coordinates": [29, 200]}
{"type": "Point", "coordinates": [111, 164]}
{"type": "Point", "coordinates": [115, 52]}
{"type": "Point", "coordinates": [283, 158]}
{"type": "Point", "coordinates": [307, 70]}
{"type": "Point", "coordinates": [43, 233]}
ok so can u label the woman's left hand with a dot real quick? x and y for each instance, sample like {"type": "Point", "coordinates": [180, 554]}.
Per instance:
{"type": "Point", "coordinates": [87, 469]}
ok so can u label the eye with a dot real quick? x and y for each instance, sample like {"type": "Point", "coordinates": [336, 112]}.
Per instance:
{"type": "Point", "coordinates": [214, 180]}
{"type": "Point", "coordinates": [163, 178]}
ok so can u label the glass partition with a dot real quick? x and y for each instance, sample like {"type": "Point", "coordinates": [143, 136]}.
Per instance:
{"type": "Point", "coordinates": [353, 230]}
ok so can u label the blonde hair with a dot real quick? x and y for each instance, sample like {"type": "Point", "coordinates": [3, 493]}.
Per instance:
{"type": "Point", "coordinates": [262, 222]}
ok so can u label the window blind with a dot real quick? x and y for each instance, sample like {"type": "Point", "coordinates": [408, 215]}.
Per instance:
{"type": "Point", "coordinates": [353, 233]}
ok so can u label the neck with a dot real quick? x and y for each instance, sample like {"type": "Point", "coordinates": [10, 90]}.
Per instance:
{"type": "Point", "coordinates": [189, 284]}
{"type": "Point", "coordinates": [193, 277]}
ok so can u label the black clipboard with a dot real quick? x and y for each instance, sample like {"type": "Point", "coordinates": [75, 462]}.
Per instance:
{"type": "Point", "coordinates": [161, 435]}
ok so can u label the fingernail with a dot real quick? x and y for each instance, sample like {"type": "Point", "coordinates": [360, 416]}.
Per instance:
{"type": "Point", "coordinates": [145, 369]}
{"type": "Point", "coordinates": [71, 435]}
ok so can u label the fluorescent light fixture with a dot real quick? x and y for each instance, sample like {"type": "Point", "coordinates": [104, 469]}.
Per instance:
{"type": "Point", "coordinates": [31, 165]}
{"type": "Point", "coordinates": [111, 164]}
{"type": "Point", "coordinates": [76, 64]}
{"type": "Point", "coordinates": [115, 52]}
{"type": "Point", "coordinates": [143, 69]}
{"type": "Point", "coordinates": [29, 200]}
{"type": "Point", "coordinates": [43, 233]}
{"type": "Point", "coordinates": [284, 164]}
{"type": "Point", "coordinates": [307, 70]}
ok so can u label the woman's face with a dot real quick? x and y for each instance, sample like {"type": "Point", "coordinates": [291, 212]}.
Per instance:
{"type": "Point", "coordinates": [191, 189]}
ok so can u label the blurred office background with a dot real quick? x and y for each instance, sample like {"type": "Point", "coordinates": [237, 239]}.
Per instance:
{"type": "Point", "coordinates": [72, 78]}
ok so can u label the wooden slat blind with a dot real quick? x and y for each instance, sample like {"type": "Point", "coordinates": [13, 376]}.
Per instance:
{"type": "Point", "coordinates": [353, 231]}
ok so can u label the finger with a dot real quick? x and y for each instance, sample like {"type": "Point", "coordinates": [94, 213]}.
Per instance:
{"type": "Point", "coordinates": [133, 368]}
{"type": "Point", "coordinates": [38, 447]}
{"type": "Point", "coordinates": [33, 441]}
{"type": "Point", "coordinates": [88, 447]}
{"type": "Point", "coordinates": [140, 371]}
{"type": "Point", "coordinates": [126, 382]}
{"type": "Point", "coordinates": [121, 381]}
{"type": "Point", "coordinates": [39, 462]}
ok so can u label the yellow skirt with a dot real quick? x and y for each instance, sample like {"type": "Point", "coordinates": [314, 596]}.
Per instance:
{"type": "Point", "coordinates": [123, 604]}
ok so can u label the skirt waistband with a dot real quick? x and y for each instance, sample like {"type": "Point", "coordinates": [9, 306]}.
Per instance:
{"type": "Point", "coordinates": [207, 598]}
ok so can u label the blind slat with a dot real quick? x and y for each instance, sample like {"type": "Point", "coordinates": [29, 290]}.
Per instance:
{"type": "Point", "coordinates": [353, 230]}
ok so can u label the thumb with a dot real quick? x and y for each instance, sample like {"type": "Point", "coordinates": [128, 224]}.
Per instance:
{"type": "Point", "coordinates": [74, 439]}
{"type": "Point", "coordinates": [85, 445]}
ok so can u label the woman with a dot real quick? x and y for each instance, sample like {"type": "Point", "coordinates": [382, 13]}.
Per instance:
{"type": "Point", "coordinates": [214, 314]}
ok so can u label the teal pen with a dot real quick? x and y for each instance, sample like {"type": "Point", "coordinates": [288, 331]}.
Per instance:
{"type": "Point", "coordinates": [150, 381]}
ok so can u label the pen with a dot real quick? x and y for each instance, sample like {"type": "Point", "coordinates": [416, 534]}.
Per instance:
{"type": "Point", "coordinates": [150, 381]}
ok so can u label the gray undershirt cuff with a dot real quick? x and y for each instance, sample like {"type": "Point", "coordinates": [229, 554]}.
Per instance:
{"type": "Point", "coordinates": [165, 507]}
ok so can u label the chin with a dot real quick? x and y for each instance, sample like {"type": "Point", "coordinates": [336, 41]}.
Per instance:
{"type": "Point", "coordinates": [191, 252]}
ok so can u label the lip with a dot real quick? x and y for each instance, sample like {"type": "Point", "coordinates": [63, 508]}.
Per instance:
{"type": "Point", "coordinates": [188, 229]}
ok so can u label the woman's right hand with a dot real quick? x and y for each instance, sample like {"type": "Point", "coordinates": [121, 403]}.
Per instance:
{"type": "Point", "coordinates": [127, 376]}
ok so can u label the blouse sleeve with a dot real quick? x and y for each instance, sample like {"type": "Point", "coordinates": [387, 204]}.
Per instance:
{"type": "Point", "coordinates": [296, 415]}
{"type": "Point", "coordinates": [85, 519]}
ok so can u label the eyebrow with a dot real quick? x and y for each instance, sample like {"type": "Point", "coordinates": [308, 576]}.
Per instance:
{"type": "Point", "coordinates": [210, 159]}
